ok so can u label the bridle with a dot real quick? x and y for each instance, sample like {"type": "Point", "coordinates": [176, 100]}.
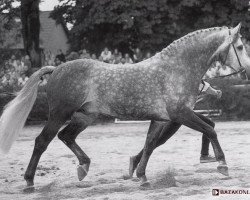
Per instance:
{"type": "Point", "coordinates": [240, 71]}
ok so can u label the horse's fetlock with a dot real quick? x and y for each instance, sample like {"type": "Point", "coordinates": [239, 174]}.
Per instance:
{"type": "Point", "coordinates": [139, 173]}
{"type": "Point", "coordinates": [28, 177]}
{"type": "Point", "coordinates": [85, 160]}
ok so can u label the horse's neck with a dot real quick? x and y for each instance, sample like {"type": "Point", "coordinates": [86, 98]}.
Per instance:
{"type": "Point", "coordinates": [191, 54]}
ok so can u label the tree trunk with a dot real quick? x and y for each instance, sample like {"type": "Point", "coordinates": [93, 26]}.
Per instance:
{"type": "Point", "coordinates": [31, 30]}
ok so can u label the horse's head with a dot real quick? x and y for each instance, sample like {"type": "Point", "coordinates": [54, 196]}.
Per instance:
{"type": "Point", "coordinates": [232, 51]}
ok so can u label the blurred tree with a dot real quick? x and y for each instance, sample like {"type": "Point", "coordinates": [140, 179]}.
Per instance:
{"type": "Point", "coordinates": [147, 24]}
{"type": "Point", "coordinates": [28, 11]}
{"type": "Point", "coordinates": [31, 30]}
{"type": "Point", "coordinates": [7, 28]}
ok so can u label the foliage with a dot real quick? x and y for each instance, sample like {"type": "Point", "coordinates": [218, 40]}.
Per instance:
{"type": "Point", "coordinates": [146, 24]}
{"type": "Point", "coordinates": [6, 6]}
{"type": "Point", "coordinates": [28, 11]}
{"type": "Point", "coordinates": [7, 24]}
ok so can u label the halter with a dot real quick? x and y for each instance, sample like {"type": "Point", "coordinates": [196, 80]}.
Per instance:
{"type": "Point", "coordinates": [241, 70]}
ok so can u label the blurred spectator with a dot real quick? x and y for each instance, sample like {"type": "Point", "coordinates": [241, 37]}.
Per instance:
{"type": "Point", "coordinates": [116, 57]}
{"type": "Point", "coordinates": [128, 59]}
{"type": "Point", "coordinates": [21, 67]}
{"type": "Point", "coordinates": [84, 54]}
{"type": "Point", "coordinates": [100, 58]}
{"type": "Point", "coordinates": [116, 53]}
{"type": "Point", "coordinates": [106, 55]}
{"type": "Point", "coordinates": [49, 58]}
{"type": "Point", "coordinates": [1, 74]}
{"type": "Point", "coordinates": [12, 61]}
{"type": "Point", "coordinates": [148, 55]}
{"type": "Point", "coordinates": [45, 80]}
{"type": "Point", "coordinates": [123, 61]}
{"type": "Point", "coordinates": [211, 72]}
{"type": "Point", "coordinates": [224, 70]}
{"type": "Point", "coordinates": [247, 45]}
{"type": "Point", "coordinates": [138, 57]}
{"type": "Point", "coordinates": [93, 56]}
{"type": "Point", "coordinates": [57, 61]}
{"type": "Point", "coordinates": [7, 81]}
{"type": "Point", "coordinates": [112, 59]}
{"type": "Point", "coordinates": [60, 56]}
{"type": "Point", "coordinates": [73, 56]}
{"type": "Point", "coordinates": [117, 60]}
{"type": "Point", "coordinates": [22, 80]}
{"type": "Point", "coordinates": [13, 73]}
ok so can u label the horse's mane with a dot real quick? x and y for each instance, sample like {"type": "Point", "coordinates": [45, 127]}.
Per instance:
{"type": "Point", "coordinates": [183, 40]}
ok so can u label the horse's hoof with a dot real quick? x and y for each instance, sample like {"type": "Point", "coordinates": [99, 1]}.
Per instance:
{"type": "Point", "coordinates": [29, 189]}
{"type": "Point", "coordinates": [145, 184]}
{"type": "Point", "coordinates": [82, 171]}
{"type": "Point", "coordinates": [223, 169]}
{"type": "Point", "coordinates": [131, 166]}
{"type": "Point", "coordinates": [207, 159]}
{"type": "Point", "coordinates": [126, 177]}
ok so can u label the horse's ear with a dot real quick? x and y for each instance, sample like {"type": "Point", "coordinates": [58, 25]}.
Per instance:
{"type": "Point", "coordinates": [235, 32]}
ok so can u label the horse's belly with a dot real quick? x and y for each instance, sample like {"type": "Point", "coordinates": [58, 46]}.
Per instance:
{"type": "Point", "coordinates": [141, 111]}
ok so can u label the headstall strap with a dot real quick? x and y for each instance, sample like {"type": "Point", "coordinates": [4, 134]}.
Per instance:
{"type": "Point", "coordinates": [242, 69]}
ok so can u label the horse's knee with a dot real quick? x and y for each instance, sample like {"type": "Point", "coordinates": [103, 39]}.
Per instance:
{"type": "Point", "coordinates": [211, 123]}
{"type": "Point", "coordinates": [210, 133]}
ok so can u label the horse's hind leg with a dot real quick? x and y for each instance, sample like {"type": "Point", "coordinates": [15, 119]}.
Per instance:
{"type": "Point", "coordinates": [168, 130]}
{"type": "Point", "coordinates": [150, 144]}
{"type": "Point", "coordinates": [79, 122]}
{"type": "Point", "coordinates": [42, 141]}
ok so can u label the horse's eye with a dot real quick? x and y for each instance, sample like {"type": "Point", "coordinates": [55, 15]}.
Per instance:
{"type": "Point", "coordinates": [240, 47]}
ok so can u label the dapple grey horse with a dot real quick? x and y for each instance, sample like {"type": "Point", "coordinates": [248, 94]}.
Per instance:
{"type": "Point", "coordinates": [162, 88]}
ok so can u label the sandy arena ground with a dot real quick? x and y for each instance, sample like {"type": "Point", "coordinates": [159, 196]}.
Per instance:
{"type": "Point", "coordinates": [174, 169]}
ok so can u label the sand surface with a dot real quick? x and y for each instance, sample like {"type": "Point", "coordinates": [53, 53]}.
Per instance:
{"type": "Point", "coordinates": [173, 170]}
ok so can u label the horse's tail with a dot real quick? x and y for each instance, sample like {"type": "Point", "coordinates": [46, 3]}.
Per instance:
{"type": "Point", "coordinates": [16, 111]}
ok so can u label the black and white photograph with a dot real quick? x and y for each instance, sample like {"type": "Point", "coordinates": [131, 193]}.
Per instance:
{"type": "Point", "coordinates": [124, 99]}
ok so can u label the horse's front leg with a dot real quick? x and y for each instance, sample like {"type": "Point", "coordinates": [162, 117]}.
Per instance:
{"type": "Point", "coordinates": [168, 130]}
{"type": "Point", "coordinates": [150, 144]}
{"type": "Point", "coordinates": [188, 118]}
